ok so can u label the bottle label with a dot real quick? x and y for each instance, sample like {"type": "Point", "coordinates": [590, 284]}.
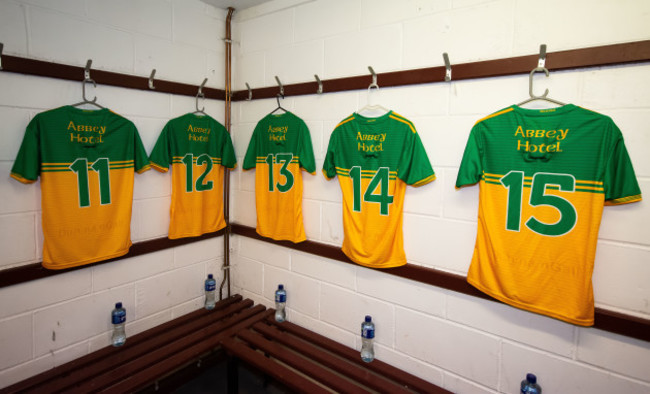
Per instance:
{"type": "Point", "coordinates": [210, 286]}
{"type": "Point", "coordinates": [280, 297]}
{"type": "Point", "coordinates": [368, 332]}
{"type": "Point", "coordinates": [119, 318]}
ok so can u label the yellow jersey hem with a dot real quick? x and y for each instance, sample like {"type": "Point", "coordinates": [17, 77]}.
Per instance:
{"type": "Point", "coordinates": [378, 266]}
{"type": "Point", "coordinates": [282, 237]}
{"type": "Point", "coordinates": [531, 308]}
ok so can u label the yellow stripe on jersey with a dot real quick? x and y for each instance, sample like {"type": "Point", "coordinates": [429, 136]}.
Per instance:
{"type": "Point", "coordinates": [505, 111]}
{"type": "Point", "coordinates": [157, 167]}
{"type": "Point", "coordinates": [424, 181]}
{"type": "Point", "coordinates": [400, 118]}
{"type": "Point", "coordinates": [21, 179]}
{"type": "Point", "coordinates": [624, 200]}
{"type": "Point", "coordinates": [346, 120]}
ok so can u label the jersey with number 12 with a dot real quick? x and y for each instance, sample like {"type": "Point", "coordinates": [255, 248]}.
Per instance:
{"type": "Point", "coordinates": [279, 148]}
{"type": "Point", "coordinates": [198, 148]}
{"type": "Point", "coordinates": [544, 178]}
{"type": "Point", "coordinates": [86, 162]}
{"type": "Point", "coordinates": [374, 159]}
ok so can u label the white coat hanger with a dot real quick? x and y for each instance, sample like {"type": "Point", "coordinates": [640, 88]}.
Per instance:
{"type": "Point", "coordinates": [83, 88]}
{"type": "Point", "coordinates": [373, 110]}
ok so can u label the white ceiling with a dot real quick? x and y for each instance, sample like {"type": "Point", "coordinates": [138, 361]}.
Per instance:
{"type": "Point", "coordinates": [237, 4]}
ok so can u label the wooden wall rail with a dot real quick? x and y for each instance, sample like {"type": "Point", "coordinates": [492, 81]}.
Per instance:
{"type": "Point", "coordinates": [76, 73]}
{"type": "Point", "coordinates": [26, 273]}
{"type": "Point", "coordinates": [605, 320]}
{"type": "Point", "coordinates": [631, 52]}
{"type": "Point", "coordinates": [606, 55]}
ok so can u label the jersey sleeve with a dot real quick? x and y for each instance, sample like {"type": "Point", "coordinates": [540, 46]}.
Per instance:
{"type": "Point", "coordinates": [160, 157]}
{"type": "Point", "coordinates": [228, 158]}
{"type": "Point", "coordinates": [414, 167]}
{"type": "Point", "coordinates": [471, 168]}
{"type": "Point", "coordinates": [141, 160]}
{"type": "Point", "coordinates": [619, 181]}
{"type": "Point", "coordinates": [306, 150]}
{"type": "Point", "coordinates": [250, 159]}
{"type": "Point", "coordinates": [27, 168]}
{"type": "Point", "coordinates": [329, 165]}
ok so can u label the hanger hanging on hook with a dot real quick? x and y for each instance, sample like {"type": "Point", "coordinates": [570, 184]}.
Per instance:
{"type": "Point", "coordinates": [373, 110]}
{"type": "Point", "coordinates": [277, 97]}
{"type": "Point", "coordinates": [540, 67]}
{"type": "Point", "coordinates": [200, 111]}
{"type": "Point", "coordinates": [83, 87]}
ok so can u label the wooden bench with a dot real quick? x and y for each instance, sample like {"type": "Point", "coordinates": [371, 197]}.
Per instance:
{"type": "Point", "coordinates": [295, 357]}
{"type": "Point", "coordinates": [311, 363]}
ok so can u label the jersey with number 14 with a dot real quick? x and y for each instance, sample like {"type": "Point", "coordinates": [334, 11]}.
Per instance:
{"type": "Point", "coordinates": [374, 159]}
{"type": "Point", "coordinates": [86, 162]}
{"type": "Point", "coordinates": [198, 148]}
{"type": "Point", "coordinates": [544, 177]}
{"type": "Point", "coordinates": [279, 148]}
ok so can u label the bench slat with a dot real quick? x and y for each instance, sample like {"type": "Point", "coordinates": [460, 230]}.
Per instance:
{"type": "Point", "coordinates": [170, 364]}
{"type": "Point", "coordinates": [286, 376]}
{"type": "Point", "coordinates": [358, 373]}
{"type": "Point", "coordinates": [377, 366]}
{"type": "Point", "coordinates": [302, 364]}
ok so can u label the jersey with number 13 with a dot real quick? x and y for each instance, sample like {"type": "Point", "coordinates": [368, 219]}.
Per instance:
{"type": "Point", "coordinates": [86, 162]}
{"type": "Point", "coordinates": [279, 148]}
{"type": "Point", "coordinates": [544, 177]}
{"type": "Point", "coordinates": [374, 159]}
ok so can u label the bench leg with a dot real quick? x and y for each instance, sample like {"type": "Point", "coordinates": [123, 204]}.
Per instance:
{"type": "Point", "coordinates": [233, 375]}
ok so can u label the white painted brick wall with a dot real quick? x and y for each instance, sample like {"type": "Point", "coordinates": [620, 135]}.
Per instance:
{"type": "Point", "coordinates": [183, 41]}
{"type": "Point", "coordinates": [467, 345]}
{"type": "Point", "coordinates": [464, 344]}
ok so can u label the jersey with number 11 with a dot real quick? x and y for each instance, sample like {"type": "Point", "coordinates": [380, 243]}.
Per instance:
{"type": "Point", "coordinates": [544, 177]}
{"type": "Point", "coordinates": [86, 162]}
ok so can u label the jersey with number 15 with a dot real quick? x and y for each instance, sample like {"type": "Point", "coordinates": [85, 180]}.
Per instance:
{"type": "Point", "coordinates": [86, 162]}
{"type": "Point", "coordinates": [544, 178]}
{"type": "Point", "coordinates": [198, 148]}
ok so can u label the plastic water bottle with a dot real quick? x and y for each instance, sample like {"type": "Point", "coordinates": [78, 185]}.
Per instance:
{"type": "Point", "coordinates": [118, 318]}
{"type": "Point", "coordinates": [367, 335]}
{"type": "Point", "coordinates": [280, 302]}
{"type": "Point", "coordinates": [530, 386]}
{"type": "Point", "coordinates": [210, 292]}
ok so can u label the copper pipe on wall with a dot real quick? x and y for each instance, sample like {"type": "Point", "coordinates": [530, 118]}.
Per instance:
{"type": "Point", "coordinates": [226, 178]}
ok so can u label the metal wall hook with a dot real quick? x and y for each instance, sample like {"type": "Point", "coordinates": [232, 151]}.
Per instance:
{"type": "Point", "coordinates": [1, 48]}
{"type": "Point", "coordinates": [542, 56]}
{"type": "Point", "coordinates": [250, 92]}
{"type": "Point", "coordinates": [320, 84]}
{"type": "Point", "coordinates": [280, 84]}
{"type": "Point", "coordinates": [153, 73]}
{"type": "Point", "coordinates": [445, 57]}
{"type": "Point", "coordinates": [87, 69]}
{"type": "Point", "coordinates": [374, 79]}
{"type": "Point", "coordinates": [200, 94]}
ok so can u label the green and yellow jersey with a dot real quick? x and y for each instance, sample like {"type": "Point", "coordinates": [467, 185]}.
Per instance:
{"type": "Point", "coordinates": [374, 159]}
{"type": "Point", "coordinates": [86, 162]}
{"type": "Point", "coordinates": [198, 149]}
{"type": "Point", "coordinates": [279, 148]}
{"type": "Point", "coordinates": [544, 177]}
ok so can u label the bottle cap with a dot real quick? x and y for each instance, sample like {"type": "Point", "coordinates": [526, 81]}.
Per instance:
{"type": "Point", "coordinates": [210, 276]}
{"type": "Point", "coordinates": [280, 287]}
{"type": "Point", "coordinates": [368, 318]}
{"type": "Point", "coordinates": [118, 305]}
{"type": "Point", "coordinates": [531, 378]}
